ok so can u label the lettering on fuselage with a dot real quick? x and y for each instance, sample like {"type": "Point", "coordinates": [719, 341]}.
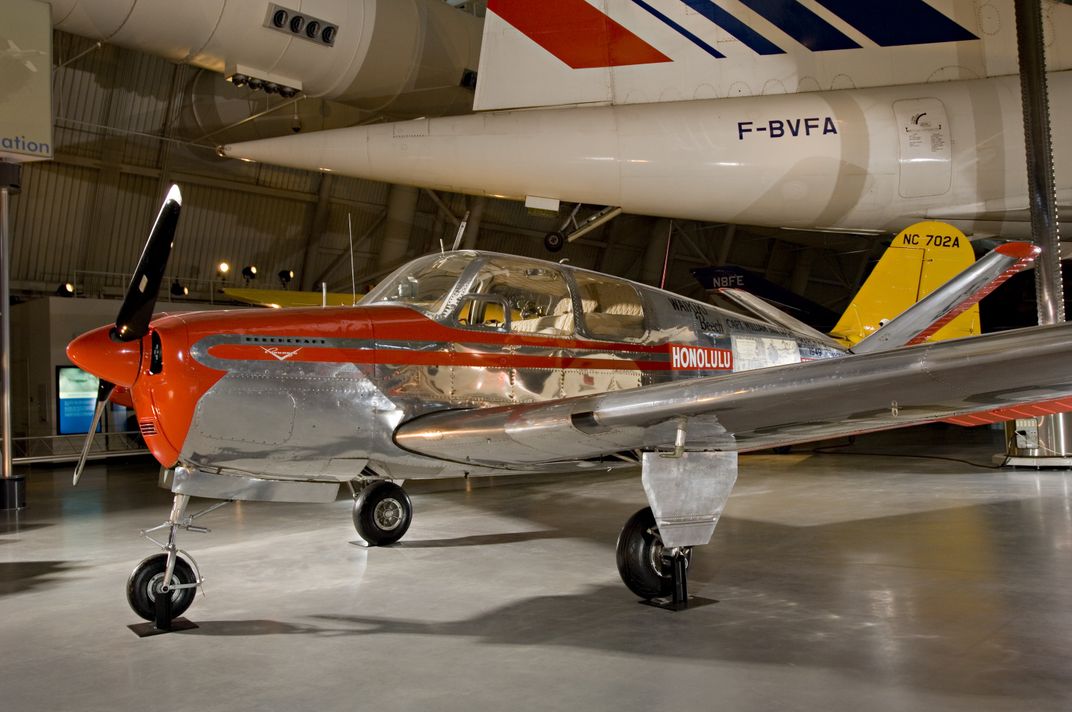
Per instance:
{"type": "Point", "coordinates": [788, 128]}
{"type": "Point", "coordinates": [704, 319]}
{"type": "Point", "coordinates": [913, 239]}
{"type": "Point", "coordinates": [700, 358]}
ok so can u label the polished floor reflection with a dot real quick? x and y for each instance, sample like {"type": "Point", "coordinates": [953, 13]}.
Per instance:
{"type": "Point", "coordinates": [845, 581]}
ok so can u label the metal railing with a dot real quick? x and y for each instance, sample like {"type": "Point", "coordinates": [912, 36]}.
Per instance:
{"type": "Point", "coordinates": [67, 448]}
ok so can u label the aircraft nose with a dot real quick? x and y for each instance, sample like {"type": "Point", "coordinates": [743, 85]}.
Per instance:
{"type": "Point", "coordinates": [113, 361]}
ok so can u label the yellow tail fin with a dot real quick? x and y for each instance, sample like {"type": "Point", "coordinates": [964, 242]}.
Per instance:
{"type": "Point", "coordinates": [920, 259]}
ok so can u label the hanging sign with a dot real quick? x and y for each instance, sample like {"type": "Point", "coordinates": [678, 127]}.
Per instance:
{"type": "Point", "coordinates": [25, 81]}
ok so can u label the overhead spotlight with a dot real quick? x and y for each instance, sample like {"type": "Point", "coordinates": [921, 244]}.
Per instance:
{"type": "Point", "coordinates": [286, 276]}
{"type": "Point", "coordinates": [65, 290]}
{"type": "Point", "coordinates": [287, 92]}
{"type": "Point", "coordinates": [178, 289]}
{"type": "Point", "coordinates": [239, 80]}
{"type": "Point", "coordinates": [249, 272]}
{"type": "Point", "coordinates": [312, 29]}
{"type": "Point", "coordinates": [328, 35]}
{"type": "Point", "coordinates": [279, 18]}
{"type": "Point", "coordinates": [297, 23]}
{"type": "Point", "coordinates": [271, 88]}
{"type": "Point", "coordinates": [255, 84]}
{"type": "Point", "coordinates": [222, 269]}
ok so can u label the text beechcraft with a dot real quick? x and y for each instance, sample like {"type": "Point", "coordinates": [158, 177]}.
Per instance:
{"type": "Point", "coordinates": [474, 363]}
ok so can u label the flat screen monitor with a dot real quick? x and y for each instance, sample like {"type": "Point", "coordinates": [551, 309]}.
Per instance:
{"type": "Point", "coordinates": [76, 400]}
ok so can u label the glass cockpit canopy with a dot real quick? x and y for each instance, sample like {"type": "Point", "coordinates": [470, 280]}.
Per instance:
{"type": "Point", "coordinates": [424, 283]}
{"type": "Point", "coordinates": [439, 284]}
{"type": "Point", "coordinates": [508, 293]}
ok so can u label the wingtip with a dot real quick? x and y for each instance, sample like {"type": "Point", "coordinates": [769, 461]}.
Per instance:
{"type": "Point", "coordinates": [1019, 250]}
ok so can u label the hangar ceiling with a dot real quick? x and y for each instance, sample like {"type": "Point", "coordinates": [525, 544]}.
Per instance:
{"type": "Point", "coordinates": [128, 123]}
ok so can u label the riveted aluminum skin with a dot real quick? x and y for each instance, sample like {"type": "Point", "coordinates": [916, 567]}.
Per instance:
{"type": "Point", "coordinates": [768, 407]}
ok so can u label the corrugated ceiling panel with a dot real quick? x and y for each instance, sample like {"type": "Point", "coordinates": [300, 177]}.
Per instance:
{"type": "Point", "coordinates": [49, 221]}
{"type": "Point", "coordinates": [144, 105]}
{"type": "Point", "coordinates": [81, 93]}
{"type": "Point", "coordinates": [241, 228]}
{"type": "Point", "coordinates": [362, 191]}
{"type": "Point", "coordinates": [136, 205]}
{"type": "Point", "coordinates": [287, 178]}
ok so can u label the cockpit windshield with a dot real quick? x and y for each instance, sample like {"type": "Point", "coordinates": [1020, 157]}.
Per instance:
{"type": "Point", "coordinates": [424, 283]}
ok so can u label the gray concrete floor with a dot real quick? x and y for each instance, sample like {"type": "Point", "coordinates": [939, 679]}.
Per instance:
{"type": "Point", "coordinates": [844, 582]}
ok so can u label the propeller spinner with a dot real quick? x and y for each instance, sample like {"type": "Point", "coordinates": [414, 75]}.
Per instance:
{"type": "Point", "coordinates": [113, 354]}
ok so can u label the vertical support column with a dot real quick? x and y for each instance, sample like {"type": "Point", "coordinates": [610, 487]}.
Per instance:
{"type": "Point", "coordinates": [1040, 176]}
{"type": "Point", "coordinates": [316, 226]}
{"type": "Point", "coordinates": [401, 209]}
{"type": "Point", "coordinates": [472, 228]}
{"type": "Point", "coordinates": [1054, 443]}
{"type": "Point", "coordinates": [651, 271]}
{"type": "Point", "coordinates": [726, 245]}
{"type": "Point", "coordinates": [12, 488]}
{"type": "Point", "coordinates": [802, 265]}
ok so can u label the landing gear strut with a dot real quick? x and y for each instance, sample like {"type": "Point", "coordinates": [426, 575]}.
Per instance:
{"type": "Point", "coordinates": [382, 513]}
{"type": "Point", "coordinates": [162, 587]}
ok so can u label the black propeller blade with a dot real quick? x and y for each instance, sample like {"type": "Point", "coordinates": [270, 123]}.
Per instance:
{"type": "Point", "coordinates": [104, 390]}
{"type": "Point", "coordinates": [132, 323]}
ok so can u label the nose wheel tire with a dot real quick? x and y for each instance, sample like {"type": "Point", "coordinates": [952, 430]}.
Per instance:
{"type": "Point", "coordinates": [640, 557]}
{"type": "Point", "coordinates": [382, 513]}
{"type": "Point", "coordinates": [144, 583]}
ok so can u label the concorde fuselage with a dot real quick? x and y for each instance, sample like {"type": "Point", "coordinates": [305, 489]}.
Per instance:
{"type": "Point", "coordinates": [877, 158]}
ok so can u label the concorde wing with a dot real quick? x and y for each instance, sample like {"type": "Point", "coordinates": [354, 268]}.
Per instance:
{"type": "Point", "coordinates": [764, 407]}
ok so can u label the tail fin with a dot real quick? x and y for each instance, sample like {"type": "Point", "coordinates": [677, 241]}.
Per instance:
{"type": "Point", "coordinates": [919, 260]}
{"type": "Point", "coordinates": [558, 52]}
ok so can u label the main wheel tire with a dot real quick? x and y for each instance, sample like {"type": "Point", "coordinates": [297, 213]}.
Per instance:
{"type": "Point", "coordinates": [145, 580]}
{"type": "Point", "coordinates": [640, 557]}
{"type": "Point", "coordinates": [382, 513]}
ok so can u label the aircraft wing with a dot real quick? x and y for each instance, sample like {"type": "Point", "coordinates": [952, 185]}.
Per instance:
{"type": "Point", "coordinates": [927, 316]}
{"type": "Point", "coordinates": [763, 407]}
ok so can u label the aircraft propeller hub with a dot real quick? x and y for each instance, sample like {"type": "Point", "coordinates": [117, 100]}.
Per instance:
{"type": "Point", "coordinates": [117, 362]}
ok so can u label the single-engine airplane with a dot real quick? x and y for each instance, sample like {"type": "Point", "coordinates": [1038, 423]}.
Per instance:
{"type": "Point", "coordinates": [475, 363]}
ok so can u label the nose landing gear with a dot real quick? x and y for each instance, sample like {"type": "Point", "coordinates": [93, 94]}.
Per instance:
{"type": "Point", "coordinates": [162, 587]}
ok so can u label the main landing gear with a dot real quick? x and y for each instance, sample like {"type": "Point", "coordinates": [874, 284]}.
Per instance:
{"type": "Point", "coordinates": [162, 587]}
{"type": "Point", "coordinates": [382, 513]}
{"type": "Point", "coordinates": [659, 575]}
{"type": "Point", "coordinates": [687, 492]}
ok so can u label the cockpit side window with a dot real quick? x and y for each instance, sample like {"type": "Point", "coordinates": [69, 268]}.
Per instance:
{"type": "Point", "coordinates": [517, 296]}
{"type": "Point", "coordinates": [613, 309]}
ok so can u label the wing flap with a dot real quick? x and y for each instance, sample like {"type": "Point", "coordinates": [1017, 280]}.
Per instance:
{"type": "Point", "coordinates": [763, 407]}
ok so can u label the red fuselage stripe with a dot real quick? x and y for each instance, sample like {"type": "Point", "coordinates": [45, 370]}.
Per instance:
{"type": "Point", "coordinates": [318, 354]}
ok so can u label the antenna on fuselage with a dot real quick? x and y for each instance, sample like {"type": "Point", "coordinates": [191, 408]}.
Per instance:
{"type": "Point", "coordinates": [461, 231]}
{"type": "Point", "coordinates": [353, 277]}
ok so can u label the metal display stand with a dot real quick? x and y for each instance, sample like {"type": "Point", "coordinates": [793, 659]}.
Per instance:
{"type": "Point", "coordinates": [163, 622]}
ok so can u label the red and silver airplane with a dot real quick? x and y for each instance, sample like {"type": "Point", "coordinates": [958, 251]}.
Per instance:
{"type": "Point", "coordinates": [475, 363]}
